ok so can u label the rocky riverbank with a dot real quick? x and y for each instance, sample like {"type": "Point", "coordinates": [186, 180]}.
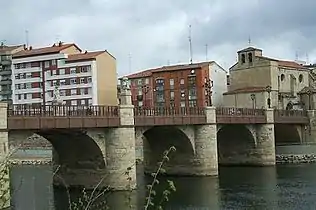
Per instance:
{"type": "Point", "coordinates": [30, 162]}
{"type": "Point", "coordinates": [290, 159]}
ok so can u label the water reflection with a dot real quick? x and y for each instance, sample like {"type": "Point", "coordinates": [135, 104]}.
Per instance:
{"type": "Point", "coordinates": [282, 187]}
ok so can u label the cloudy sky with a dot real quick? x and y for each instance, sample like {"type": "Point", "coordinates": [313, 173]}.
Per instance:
{"type": "Point", "coordinates": [155, 33]}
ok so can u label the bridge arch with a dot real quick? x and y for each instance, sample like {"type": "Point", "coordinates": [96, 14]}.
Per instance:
{"type": "Point", "coordinates": [235, 142]}
{"type": "Point", "coordinates": [74, 149]}
{"type": "Point", "coordinates": [287, 134]}
{"type": "Point", "coordinates": [160, 138]}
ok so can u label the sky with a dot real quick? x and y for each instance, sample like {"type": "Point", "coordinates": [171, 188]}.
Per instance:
{"type": "Point", "coordinates": [146, 33]}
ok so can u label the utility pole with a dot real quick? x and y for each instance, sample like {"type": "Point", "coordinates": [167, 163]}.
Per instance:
{"type": "Point", "coordinates": [190, 44]}
{"type": "Point", "coordinates": [27, 38]}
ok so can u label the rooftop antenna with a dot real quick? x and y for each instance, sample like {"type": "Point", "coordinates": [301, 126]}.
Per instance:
{"type": "Point", "coordinates": [2, 42]}
{"type": "Point", "coordinates": [168, 62]}
{"type": "Point", "coordinates": [129, 63]}
{"type": "Point", "coordinates": [27, 38]}
{"type": "Point", "coordinates": [249, 40]}
{"type": "Point", "coordinates": [307, 58]}
{"type": "Point", "coordinates": [57, 38]}
{"type": "Point", "coordinates": [190, 44]}
{"type": "Point", "coordinates": [206, 48]}
{"type": "Point", "coordinates": [296, 56]}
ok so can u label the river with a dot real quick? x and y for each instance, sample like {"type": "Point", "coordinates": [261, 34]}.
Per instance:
{"type": "Point", "coordinates": [281, 187]}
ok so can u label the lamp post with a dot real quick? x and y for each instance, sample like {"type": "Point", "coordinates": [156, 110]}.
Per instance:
{"type": "Point", "coordinates": [309, 92]}
{"type": "Point", "coordinates": [268, 89]}
{"type": "Point", "coordinates": [145, 90]}
{"type": "Point", "coordinates": [208, 84]}
{"type": "Point", "coordinates": [253, 98]}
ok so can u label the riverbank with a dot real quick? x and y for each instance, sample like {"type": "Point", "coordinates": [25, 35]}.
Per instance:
{"type": "Point", "coordinates": [293, 159]}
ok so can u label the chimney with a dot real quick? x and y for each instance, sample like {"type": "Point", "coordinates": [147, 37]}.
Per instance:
{"type": "Point", "coordinates": [54, 45]}
{"type": "Point", "coordinates": [31, 48]}
{"type": "Point", "coordinates": [86, 52]}
{"type": "Point", "coordinates": [60, 44]}
{"type": "Point", "coordinates": [24, 47]}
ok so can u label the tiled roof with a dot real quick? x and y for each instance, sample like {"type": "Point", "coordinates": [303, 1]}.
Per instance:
{"type": "Point", "coordinates": [6, 48]}
{"type": "Point", "coordinates": [246, 90]}
{"type": "Point", "coordinates": [44, 51]}
{"type": "Point", "coordinates": [291, 64]}
{"type": "Point", "coordinates": [84, 56]}
{"type": "Point", "coordinates": [249, 49]}
{"type": "Point", "coordinates": [148, 72]}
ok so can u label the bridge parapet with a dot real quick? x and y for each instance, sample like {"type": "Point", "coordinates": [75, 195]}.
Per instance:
{"type": "Point", "coordinates": [145, 116]}
{"type": "Point", "coordinates": [233, 115]}
{"type": "Point", "coordinates": [62, 116]}
{"type": "Point", "coordinates": [291, 116]}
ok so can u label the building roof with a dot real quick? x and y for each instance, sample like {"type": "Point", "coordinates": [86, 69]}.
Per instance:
{"type": "Point", "coordinates": [249, 49]}
{"type": "Point", "coordinates": [84, 56]}
{"type": "Point", "coordinates": [148, 72]}
{"type": "Point", "coordinates": [5, 48]}
{"type": "Point", "coordinates": [246, 90]}
{"type": "Point", "coordinates": [44, 50]}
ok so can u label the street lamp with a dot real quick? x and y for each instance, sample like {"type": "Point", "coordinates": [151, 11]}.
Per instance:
{"type": "Point", "coordinates": [145, 90]}
{"type": "Point", "coordinates": [208, 84]}
{"type": "Point", "coordinates": [253, 98]}
{"type": "Point", "coordinates": [309, 93]}
{"type": "Point", "coordinates": [268, 89]}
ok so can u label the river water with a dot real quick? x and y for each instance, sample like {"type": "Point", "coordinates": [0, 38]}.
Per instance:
{"type": "Point", "coordinates": [281, 187]}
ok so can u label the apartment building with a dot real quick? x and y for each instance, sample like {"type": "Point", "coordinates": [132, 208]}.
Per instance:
{"type": "Point", "coordinates": [82, 78]}
{"type": "Point", "coordinates": [257, 81]}
{"type": "Point", "coordinates": [5, 70]}
{"type": "Point", "coordinates": [187, 85]}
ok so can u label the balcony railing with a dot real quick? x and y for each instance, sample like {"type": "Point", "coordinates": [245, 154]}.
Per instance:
{"type": "Point", "coordinates": [233, 111]}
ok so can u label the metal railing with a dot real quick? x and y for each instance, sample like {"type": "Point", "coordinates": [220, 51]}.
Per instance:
{"type": "Point", "coordinates": [62, 110]}
{"type": "Point", "coordinates": [233, 111]}
{"type": "Point", "coordinates": [168, 111]}
{"type": "Point", "coordinates": [290, 113]}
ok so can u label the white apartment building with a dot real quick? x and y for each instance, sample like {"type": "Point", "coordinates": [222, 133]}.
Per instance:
{"type": "Point", "coordinates": [80, 77]}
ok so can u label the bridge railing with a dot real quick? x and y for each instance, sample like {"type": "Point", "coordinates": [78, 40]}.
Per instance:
{"type": "Point", "coordinates": [62, 111]}
{"type": "Point", "coordinates": [291, 116]}
{"type": "Point", "coordinates": [233, 111]}
{"type": "Point", "coordinates": [168, 111]}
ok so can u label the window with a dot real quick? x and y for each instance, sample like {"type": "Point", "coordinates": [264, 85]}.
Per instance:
{"type": "Point", "coordinates": [62, 92]}
{"type": "Point", "coordinates": [140, 82]}
{"type": "Point", "coordinates": [140, 103]}
{"type": "Point", "coordinates": [89, 91]}
{"type": "Point", "coordinates": [73, 71]}
{"type": "Point", "coordinates": [192, 103]}
{"type": "Point", "coordinates": [54, 72]}
{"type": "Point", "coordinates": [182, 82]}
{"type": "Point", "coordinates": [46, 64]}
{"type": "Point", "coordinates": [243, 58]}
{"type": "Point", "coordinates": [62, 82]}
{"type": "Point", "coordinates": [53, 62]}
{"type": "Point", "coordinates": [140, 92]}
{"type": "Point", "coordinates": [28, 85]}
{"type": "Point", "coordinates": [300, 78]}
{"type": "Point", "coordinates": [282, 77]}
{"type": "Point", "coordinates": [73, 92]}
{"type": "Point", "coordinates": [82, 80]}
{"type": "Point", "coordinates": [182, 104]}
{"type": "Point", "coordinates": [83, 102]}
{"type": "Point", "coordinates": [17, 86]}
{"type": "Point", "coordinates": [171, 83]}
{"type": "Point", "coordinates": [28, 75]}
{"type": "Point", "coordinates": [73, 81]}
{"type": "Point", "coordinates": [89, 79]}
{"type": "Point", "coordinates": [61, 71]}
{"type": "Point", "coordinates": [90, 101]}
{"type": "Point", "coordinates": [55, 82]}
{"type": "Point", "coordinates": [28, 65]}
{"type": "Point", "coordinates": [19, 96]}
{"type": "Point", "coordinates": [82, 91]}
{"type": "Point", "coordinates": [22, 76]}
{"type": "Point", "coordinates": [250, 57]}
{"type": "Point", "coordinates": [17, 76]}
{"type": "Point", "coordinates": [147, 81]}
{"type": "Point", "coordinates": [171, 95]}
{"type": "Point", "coordinates": [74, 102]}
{"type": "Point", "coordinates": [25, 96]}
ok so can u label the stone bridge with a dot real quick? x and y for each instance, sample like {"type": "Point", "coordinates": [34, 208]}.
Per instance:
{"type": "Point", "coordinates": [100, 143]}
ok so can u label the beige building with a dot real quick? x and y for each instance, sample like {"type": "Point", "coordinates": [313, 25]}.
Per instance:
{"type": "Point", "coordinates": [257, 81]}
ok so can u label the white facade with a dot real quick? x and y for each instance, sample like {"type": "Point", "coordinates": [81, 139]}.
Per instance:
{"type": "Point", "coordinates": [219, 77]}
{"type": "Point", "coordinates": [22, 80]}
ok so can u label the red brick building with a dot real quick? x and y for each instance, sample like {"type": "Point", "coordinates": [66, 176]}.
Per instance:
{"type": "Point", "coordinates": [187, 85]}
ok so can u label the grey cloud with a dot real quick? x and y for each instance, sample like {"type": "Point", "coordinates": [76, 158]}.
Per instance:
{"type": "Point", "coordinates": [157, 31]}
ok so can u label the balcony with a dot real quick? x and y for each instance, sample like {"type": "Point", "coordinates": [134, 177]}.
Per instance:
{"type": "Point", "coordinates": [6, 92]}
{"type": "Point", "coordinates": [5, 72]}
{"type": "Point", "coordinates": [6, 62]}
{"type": "Point", "coordinates": [5, 82]}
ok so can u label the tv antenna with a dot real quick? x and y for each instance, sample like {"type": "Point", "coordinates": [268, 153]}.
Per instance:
{"type": "Point", "coordinates": [296, 56]}
{"type": "Point", "coordinates": [206, 52]}
{"type": "Point", "coordinates": [307, 58]}
{"type": "Point", "coordinates": [249, 40]}
{"type": "Point", "coordinates": [27, 38]}
{"type": "Point", "coordinates": [190, 44]}
{"type": "Point", "coordinates": [129, 63]}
